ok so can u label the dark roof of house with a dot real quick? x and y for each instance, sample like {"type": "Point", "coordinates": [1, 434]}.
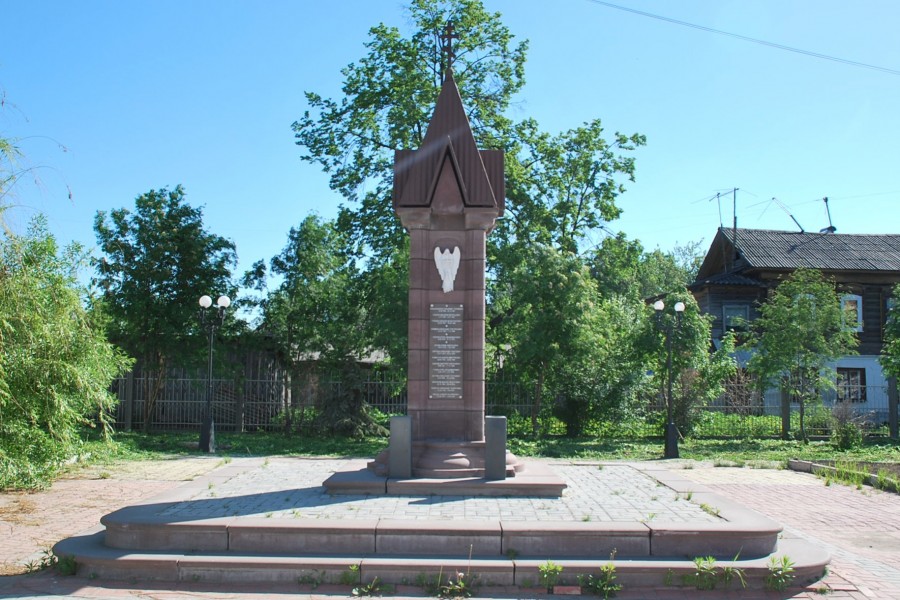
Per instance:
{"type": "Point", "coordinates": [763, 248]}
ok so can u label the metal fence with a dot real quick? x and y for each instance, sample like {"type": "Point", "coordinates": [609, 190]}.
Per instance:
{"type": "Point", "coordinates": [273, 404]}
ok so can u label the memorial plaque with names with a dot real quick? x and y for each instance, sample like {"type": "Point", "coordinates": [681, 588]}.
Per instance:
{"type": "Point", "coordinates": [445, 377]}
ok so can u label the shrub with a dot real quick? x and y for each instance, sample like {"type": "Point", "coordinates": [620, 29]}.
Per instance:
{"type": "Point", "coordinates": [55, 363]}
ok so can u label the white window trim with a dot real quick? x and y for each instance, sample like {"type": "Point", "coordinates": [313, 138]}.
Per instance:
{"type": "Point", "coordinates": [859, 315]}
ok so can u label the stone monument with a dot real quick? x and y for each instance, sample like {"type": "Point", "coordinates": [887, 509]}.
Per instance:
{"type": "Point", "coordinates": [448, 195]}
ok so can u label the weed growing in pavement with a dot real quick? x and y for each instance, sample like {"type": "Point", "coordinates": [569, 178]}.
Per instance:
{"type": "Point", "coordinates": [604, 584]}
{"type": "Point", "coordinates": [781, 573]}
{"type": "Point", "coordinates": [464, 584]}
{"type": "Point", "coordinates": [47, 560]}
{"type": "Point", "coordinates": [549, 574]}
{"type": "Point", "coordinates": [351, 576]}
{"type": "Point", "coordinates": [461, 587]}
{"type": "Point", "coordinates": [314, 579]}
{"type": "Point", "coordinates": [711, 510]}
{"type": "Point", "coordinates": [66, 565]}
{"type": "Point", "coordinates": [705, 574]}
{"type": "Point", "coordinates": [373, 588]}
{"type": "Point", "coordinates": [730, 573]}
{"type": "Point", "coordinates": [885, 480]}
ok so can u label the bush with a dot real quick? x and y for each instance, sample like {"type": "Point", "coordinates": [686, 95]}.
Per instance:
{"type": "Point", "coordinates": [55, 363]}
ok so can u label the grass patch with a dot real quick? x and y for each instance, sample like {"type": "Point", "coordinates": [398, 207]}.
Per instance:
{"type": "Point", "coordinates": [738, 452]}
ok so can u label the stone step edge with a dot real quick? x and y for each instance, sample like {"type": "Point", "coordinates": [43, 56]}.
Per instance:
{"type": "Point", "coordinates": [95, 560]}
{"type": "Point", "coordinates": [138, 530]}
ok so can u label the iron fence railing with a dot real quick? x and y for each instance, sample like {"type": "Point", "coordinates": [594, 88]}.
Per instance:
{"type": "Point", "coordinates": [266, 404]}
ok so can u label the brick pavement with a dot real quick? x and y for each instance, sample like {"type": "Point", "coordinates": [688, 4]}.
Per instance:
{"type": "Point", "coordinates": [30, 523]}
{"type": "Point", "coordinates": [859, 527]}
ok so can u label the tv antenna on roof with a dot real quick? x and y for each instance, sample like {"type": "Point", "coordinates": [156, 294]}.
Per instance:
{"type": "Point", "coordinates": [831, 228]}
{"type": "Point", "coordinates": [785, 209]}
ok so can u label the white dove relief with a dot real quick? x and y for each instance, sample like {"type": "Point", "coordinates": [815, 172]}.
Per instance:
{"type": "Point", "coordinates": [447, 264]}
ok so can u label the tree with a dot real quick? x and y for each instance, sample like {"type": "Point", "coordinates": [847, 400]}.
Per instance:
{"type": "Point", "coordinates": [698, 373]}
{"type": "Point", "coordinates": [621, 266]}
{"type": "Point", "coordinates": [579, 349]}
{"type": "Point", "coordinates": [158, 261]}
{"type": "Point", "coordinates": [388, 99]}
{"type": "Point", "coordinates": [315, 320]}
{"type": "Point", "coordinates": [890, 352]}
{"type": "Point", "coordinates": [799, 334]}
{"type": "Point", "coordinates": [55, 363]}
{"type": "Point", "coordinates": [559, 187]}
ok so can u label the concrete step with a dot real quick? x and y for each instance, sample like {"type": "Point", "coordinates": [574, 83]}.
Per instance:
{"type": "Point", "coordinates": [94, 559]}
{"type": "Point", "coordinates": [140, 529]}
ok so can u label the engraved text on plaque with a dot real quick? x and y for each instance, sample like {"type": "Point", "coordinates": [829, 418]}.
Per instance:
{"type": "Point", "coordinates": [445, 378]}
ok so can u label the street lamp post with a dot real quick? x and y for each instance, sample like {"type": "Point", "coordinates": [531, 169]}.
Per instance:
{"type": "Point", "coordinates": [210, 322]}
{"type": "Point", "coordinates": [671, 448]}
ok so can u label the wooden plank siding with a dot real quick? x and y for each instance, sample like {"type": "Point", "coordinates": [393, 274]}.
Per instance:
{"type": "Point", "coordinates": [867, 266]}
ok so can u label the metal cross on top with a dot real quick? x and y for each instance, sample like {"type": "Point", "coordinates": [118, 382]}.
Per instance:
{"type": "Point", "coordinates": [447, 43]}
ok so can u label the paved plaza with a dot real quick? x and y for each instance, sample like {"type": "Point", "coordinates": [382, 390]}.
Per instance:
{"type": "Point", "coordinates": [860, 528]}
{"type": "Point", "coordinates": [290, 488]}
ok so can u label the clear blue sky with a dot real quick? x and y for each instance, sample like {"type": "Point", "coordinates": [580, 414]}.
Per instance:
{"type": "Point", "coordinates": [202, 93]}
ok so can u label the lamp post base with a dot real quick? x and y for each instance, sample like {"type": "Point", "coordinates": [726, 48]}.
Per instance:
{"type": "Point", "coordinates": [208, 435]}
{"type": "Point", "coordinates": [671, 450]}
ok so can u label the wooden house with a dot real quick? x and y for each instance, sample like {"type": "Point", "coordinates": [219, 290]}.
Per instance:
{"type": "Point", "coordinates": [743, 265]}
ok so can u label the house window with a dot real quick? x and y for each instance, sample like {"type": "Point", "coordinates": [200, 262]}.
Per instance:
{"type": "Point", "coordinates": [735, 317]}
{"type": "Point", "coordinates": [851, 385]}
{"type": "Point", "coordinates": [851, 306]}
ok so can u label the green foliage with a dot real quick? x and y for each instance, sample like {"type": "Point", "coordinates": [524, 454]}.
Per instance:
{"type": "Point", "coordinates": [373, 588]}
{"type": "Point", "coordinates": [708, 574]}
{"type": "Point", "coordinates": [311, 311]}
{"type": "Point", "coordinates": [55, 363]}
{"type": "Point", "coordinates": [890, 351]}
{"type": "Point", "coordinates": [704, 576]}
{"type": "Point", "coordinates": [781, 573]}
{"type": "Point", "coordinates": [847, 435]}
{"type": "Point", "coordinates": [351, 576]}
{"type": "Point", "coordinates": [548, 574]}
{"type": "Point", "coordinates": [315, 321]}
{"type": "Point", "coordinates": [603, 584]}
{"type": "Point", "coordinates": [621, 266]}
{"type": "Point", "coordinates": [158, 261]}
{"type": "Point", "coordinates": [698, 375]}
{"type": "Point", "coordinates": [580, 349]}
{"type": "Point", "coordinates": [799, 332]}
{"type": "Point", "coordinates": [461, 587]}
{"type": "Point", "coordinates": [388, 98]}
{"type": "Point", "coordinates": [559, 187]}
{"type": "Point", "coordinates": [64, 564]}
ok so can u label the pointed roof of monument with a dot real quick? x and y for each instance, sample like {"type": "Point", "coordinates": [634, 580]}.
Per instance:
{"type": "Point", "coordinates": [449, 144]}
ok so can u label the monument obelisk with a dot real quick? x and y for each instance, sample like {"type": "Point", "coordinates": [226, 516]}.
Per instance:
{"type": "Point", "coordinates": [448, 195]}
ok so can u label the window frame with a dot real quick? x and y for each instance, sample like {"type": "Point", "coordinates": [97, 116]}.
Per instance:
{"type": "Point", "coordinates": [845, 301]}
{"type": "Point", "coordinates": [745, 309]}
{"type": "Point", "coordinates": [851, 385]}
